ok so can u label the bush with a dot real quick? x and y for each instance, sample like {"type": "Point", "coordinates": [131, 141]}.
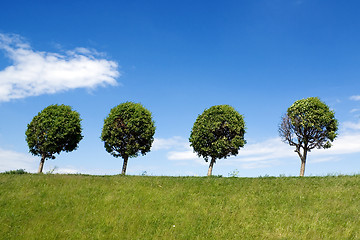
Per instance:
{"type": "Point", "coordinates": [18, 171]}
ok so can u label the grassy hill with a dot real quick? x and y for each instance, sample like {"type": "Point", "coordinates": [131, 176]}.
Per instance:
{"type": "Point", "coordinates": [144, 207]}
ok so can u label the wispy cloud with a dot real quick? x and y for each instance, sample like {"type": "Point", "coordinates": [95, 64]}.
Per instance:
{"type": "Point", "coordinates": [351, 125]}
{"type": "Point", "coordinates": [187, 154]}
{"type": "Point", "coordinates": [11, 160]}
{"type": "Point", "coordinates": [354, 110]}
{"type": "Point", "coordinates": [269, 149]}
{"type": "Point", "coordinates": [346, 143]}
{"type": "Point", "coordinates": [34, 72]}
{"type": "Point", "coordinates": [169, 143]}
{"type": "Point", "coordinates": [355, 98]}
{"type": "Point", "coordinates": [178, 149]}
{"type": "Point", "coordinates": [66, 170]}
{"type": "Point", "coordinates": [273, 151]}
{"type": "Point", "coordinates": [264, 154]}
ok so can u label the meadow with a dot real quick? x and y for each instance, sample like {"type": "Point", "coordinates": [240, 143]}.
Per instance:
{"type": "Point", "coordinates": [55, 206]}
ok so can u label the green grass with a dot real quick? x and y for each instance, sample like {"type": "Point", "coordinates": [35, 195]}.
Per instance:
{"type": "Point", "coordinates": [143, 207]}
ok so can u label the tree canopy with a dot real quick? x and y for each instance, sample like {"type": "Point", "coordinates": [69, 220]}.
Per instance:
{"type": "Point", "coordinates": [218, 133]}
{"type": "Point", "coordinates": [56, 128]}
{"type": "Point", "coordinates": [309, 123]}
{"type": "Point", "coordinates": [128, 131]}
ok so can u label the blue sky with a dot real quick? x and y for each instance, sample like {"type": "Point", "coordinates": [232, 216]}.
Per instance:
{"type": "Point", "coordinates": [178, 58]}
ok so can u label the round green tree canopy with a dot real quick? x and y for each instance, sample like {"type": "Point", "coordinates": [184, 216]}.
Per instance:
{"type": "Point", "coordinates": [56, 128]}
{"type": "Point", "coordinates": [309, 123]}
{"type": "Point", "coordinates": [128, 130]}
{"type": "Point", "coordinates": [218, 133]}
{"type": "Point", "coordinates": [313, 118]}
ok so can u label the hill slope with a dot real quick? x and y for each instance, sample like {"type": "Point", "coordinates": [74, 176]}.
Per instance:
{"type": "Point", "coordinates": [143, 207]}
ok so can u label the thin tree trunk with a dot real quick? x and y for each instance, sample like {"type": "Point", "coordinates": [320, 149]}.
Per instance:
{"type": "Point", "coordinates": [303, 162]}
{"type": "Point", "coordinates": [302, 169]}
{"type": "Point", "coordinates": [211, 166]}
{"type": "Point", "coordinates": [124, 165]}
{"type": "Point", "coordinates": [41, 166]}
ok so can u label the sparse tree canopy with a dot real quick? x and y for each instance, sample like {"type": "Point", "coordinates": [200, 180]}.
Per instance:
{"type": "Point", "coordinates": [56, 128]}
{"type": "Point", "coordinates": [128, 130]}
{"type": "Point", "coordinates": [308, 124]}
{"type": "Point", "coordinates": [218, 133]}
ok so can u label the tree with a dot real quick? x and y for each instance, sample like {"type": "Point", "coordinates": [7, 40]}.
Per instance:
{"type": "Point", "coordinates": [56, 128]}
{"type": "Point", "coordinates": [128, 130]}
{"type": "Point", "coordinates": [308, 124]}
{"type": "Point", "coordinates": [218, 133]}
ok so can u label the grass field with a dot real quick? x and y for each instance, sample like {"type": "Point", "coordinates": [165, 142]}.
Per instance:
{"type": "Point", "coordinates": [145, 207]}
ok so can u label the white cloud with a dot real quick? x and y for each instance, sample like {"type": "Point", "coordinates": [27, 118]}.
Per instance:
{"type": "Point", "coordinates": [351, 125]}
{"type": "Point", "coordinates": [274, 149]}
{"type": "Point", "coordinates": [169, 143]}
{"type": "Point", "coordinates": [264, 154]}
{"type": "Point", "coordinates": [270, 148]}
{"type": "Point", "coordinates": [34, 72]}
{"type": "Point", "coordinates": [11, 160]}
{"type": "Point", "coordinates": [354, 110]}
{"type": "Point", "coordinates": [355, 98]}
{"type": "Point", "coordinates": [347, 143]}
{"type": "Point", "coordinates": [179, 148]}
{"type": "Point", "coordinates": [66, 170]}
{"type": "Point", "coordinates": [182, 155]}
{"type": "Point", "coordinates": [186, 154]}
{"type": "Point", "coordinates": [271, 151]}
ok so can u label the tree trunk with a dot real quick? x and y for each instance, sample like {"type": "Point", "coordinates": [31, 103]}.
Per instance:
{"type": "Point", "coordinates": [211, 166]}
{"type": "Point", "coordinates": [41, 166]}
{"type": "Point", "coordinates": [124, 165]}
{"type": "Point", "coordinates": [303, 161]}
{"type": "Point", "coordinates": [302, 169]}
